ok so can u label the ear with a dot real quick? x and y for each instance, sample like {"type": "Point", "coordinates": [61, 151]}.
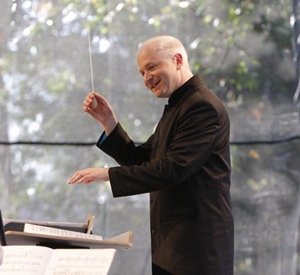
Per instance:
{"type": "Point", "coordinates": [179, 60]}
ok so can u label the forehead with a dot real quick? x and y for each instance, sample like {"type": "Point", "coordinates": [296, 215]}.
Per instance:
{"type": "Point", "coordinates": [148, 55]}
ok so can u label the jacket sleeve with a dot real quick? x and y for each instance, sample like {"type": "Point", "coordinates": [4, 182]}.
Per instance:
{"type": "Point", "coordinates": [195, 139]}
{"type": "Point", "coordinates": [120, 147]}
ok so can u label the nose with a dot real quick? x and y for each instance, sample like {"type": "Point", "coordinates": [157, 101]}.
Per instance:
{"type": "Point", "coordinates": [148, 78]}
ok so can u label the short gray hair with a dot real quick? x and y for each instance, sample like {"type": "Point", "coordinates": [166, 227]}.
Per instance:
{"type": "Point", "coordinates": [167, 45]}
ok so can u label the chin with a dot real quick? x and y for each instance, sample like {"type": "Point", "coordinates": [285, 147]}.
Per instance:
{"type": "Point", "coordinates": [158, 94]}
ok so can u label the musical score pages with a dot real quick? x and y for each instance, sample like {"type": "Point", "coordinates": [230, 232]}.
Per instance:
{"type": "Point", "coordinates": [40, 260]}
{"type": "Point", "coordinates": [51, 231]}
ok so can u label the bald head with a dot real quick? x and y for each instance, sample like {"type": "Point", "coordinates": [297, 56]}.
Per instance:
{"type": "Point", "coordinates": [163, 63]}
{"type": "Point", "coordinates": [166, 46]}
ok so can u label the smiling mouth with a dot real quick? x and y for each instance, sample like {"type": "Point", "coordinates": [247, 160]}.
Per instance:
{"type": "Point", "coordinates": [154, 85]}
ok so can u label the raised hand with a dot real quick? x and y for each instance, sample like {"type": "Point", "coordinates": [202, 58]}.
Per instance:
{"type": "Point", "coordinates": [100, 109]}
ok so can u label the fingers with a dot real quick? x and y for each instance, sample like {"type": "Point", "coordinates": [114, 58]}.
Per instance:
{"type": "Point", "coordinates": [80, 177]}
{"type": "Point", "coordinates": [89, 175]}
{"type": "Point", "coordinates": [94, 103]}
{"type": "Point", "coordinates": [90, 105]}
{"type": "Point", "coordinates": [88, 101]}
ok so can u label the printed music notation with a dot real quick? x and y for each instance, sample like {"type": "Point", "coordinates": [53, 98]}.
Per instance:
{"type": "Point", "coordinates": [39, 260]}
{"type": "Point", "coordinates": [86, 263]}
{"type": "Point", "coordinates": [23, 260]}
{"type": "Point", "coordinates": [45, 230]}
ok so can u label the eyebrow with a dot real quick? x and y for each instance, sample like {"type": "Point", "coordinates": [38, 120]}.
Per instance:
{"type": "Point", "coordinates": [149, 64]}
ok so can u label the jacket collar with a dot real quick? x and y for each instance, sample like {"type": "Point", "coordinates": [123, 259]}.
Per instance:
{"type": "Point", "coordinates": [195, 80]}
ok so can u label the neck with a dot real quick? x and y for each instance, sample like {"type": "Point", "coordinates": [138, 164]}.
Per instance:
{"type": "Point", "coordinates": [186, 75]}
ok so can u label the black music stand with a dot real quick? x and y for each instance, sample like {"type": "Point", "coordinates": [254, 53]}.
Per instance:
{"type": "Point", "coordinates": [2, 231]}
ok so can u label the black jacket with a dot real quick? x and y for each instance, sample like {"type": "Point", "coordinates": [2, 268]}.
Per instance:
{"type": "Point", "coordinates": [185, 165]}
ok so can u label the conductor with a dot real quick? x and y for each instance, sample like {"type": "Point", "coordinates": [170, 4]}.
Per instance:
{"type": "Point", "coordinates": [184, 165]}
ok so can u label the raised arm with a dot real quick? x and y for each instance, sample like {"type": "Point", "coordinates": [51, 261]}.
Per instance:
{"type": "Point", "coordinates": [100, 109]}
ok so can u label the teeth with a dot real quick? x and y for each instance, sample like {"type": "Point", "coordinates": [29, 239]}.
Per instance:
{"type": "Point", "coordinates": [154, 85]}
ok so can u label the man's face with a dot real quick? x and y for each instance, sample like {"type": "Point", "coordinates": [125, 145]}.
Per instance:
{"type": "Point", "coordinates": [161, 73]}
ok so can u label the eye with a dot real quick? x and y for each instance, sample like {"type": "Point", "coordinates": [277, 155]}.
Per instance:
{"type": "Point", "coordinates": [152, 67]}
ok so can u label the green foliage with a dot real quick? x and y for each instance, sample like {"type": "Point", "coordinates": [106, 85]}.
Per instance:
{"type": "Point", "coordinates": [241, 48]}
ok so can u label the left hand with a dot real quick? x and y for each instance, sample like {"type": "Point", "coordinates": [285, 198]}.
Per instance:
{"type": "Point", "coordinates": [89, 175]}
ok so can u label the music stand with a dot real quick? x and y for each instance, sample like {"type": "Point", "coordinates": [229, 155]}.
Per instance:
{"type": "Point", "coordinates": [2, 231]}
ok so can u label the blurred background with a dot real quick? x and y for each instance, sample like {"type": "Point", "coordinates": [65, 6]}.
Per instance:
{"type": "Point", "coordinates": [247, 52]}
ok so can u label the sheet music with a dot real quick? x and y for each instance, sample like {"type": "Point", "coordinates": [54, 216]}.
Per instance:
{"type": "Point", "coordinates": [45, 230]}
{"type": "Point", "coordinates": [25, 260]}
{"type": "Point", "coordinates": [39, 260]}
{"type": "Point", "coordinates": [80, 261]}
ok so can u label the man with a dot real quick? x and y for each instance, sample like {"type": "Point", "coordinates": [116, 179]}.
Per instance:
{"type": "Point", "coordinates": [184, 165]}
